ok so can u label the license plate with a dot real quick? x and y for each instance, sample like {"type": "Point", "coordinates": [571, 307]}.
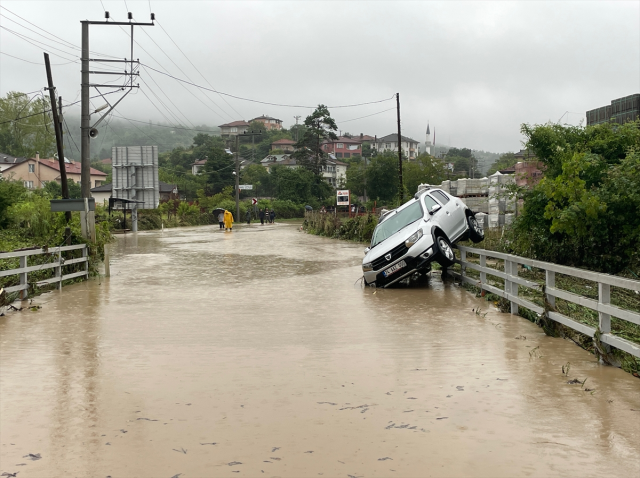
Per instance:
{"type": "Point", "coordinates": [394, 268]}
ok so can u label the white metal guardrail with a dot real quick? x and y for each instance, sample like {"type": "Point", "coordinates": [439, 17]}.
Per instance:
{"type": "Point", "coordinates": [551, 293]}
{"type": "Point", "coordinates": [58, 263]}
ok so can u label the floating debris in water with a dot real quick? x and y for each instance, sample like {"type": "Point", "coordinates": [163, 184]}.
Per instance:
{"type": "Point", "coordinates": [33, 456]}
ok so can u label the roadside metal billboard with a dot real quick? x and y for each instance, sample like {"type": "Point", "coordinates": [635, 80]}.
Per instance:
{"type": "Point", "coordinates": [135, 174]}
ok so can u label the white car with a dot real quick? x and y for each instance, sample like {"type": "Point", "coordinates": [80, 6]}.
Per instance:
{"type": "Point", "coordinates": [409, 238]}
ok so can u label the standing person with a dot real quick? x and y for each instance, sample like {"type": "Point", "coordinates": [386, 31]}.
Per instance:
{"type": "Point", "coordinates": [266, 214]}
{"type": "Point", "coordinates": [228, 221]}
{"type": "Point", "coordinates": [248, 216]}
{"type": "Point", "coordinates": [221, 219]}
{"type": "Point", "coordinates": [261, 215]}
{"type": "Point", "coordinates": [272, 216]}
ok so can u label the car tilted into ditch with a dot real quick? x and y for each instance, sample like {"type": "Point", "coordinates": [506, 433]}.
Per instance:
{"type": "Point", "coordinates": [408, 239]}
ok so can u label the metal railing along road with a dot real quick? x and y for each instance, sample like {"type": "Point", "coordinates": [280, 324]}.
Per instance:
{"type": "Point", "coordinates": [57, 263]}
{"type": "Point", "coordinates": [602, 305]}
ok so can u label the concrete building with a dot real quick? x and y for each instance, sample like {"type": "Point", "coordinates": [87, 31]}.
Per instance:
{"type": "Point", "coordinates": [269, 122]}
{"type": "Point", "coordinates": [390, 143]}
{"type": "Point", "coordinates": [284, 145]}
{"type": "Point", "coordinates": [232, 129]}
{"type": "Point", "coordinates": [620, 111]}
{"type": "Point", "coordinates": [343, 147]}
{"type": "Point", "coordinates": [197, 166]}
{"type": "Point", "coordinates": [36, 172]}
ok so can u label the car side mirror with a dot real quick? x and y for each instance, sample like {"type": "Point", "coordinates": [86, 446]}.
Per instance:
{"type": "Point", "coordinates": [435, 208]}
{"type": "Point", "coordinates": [367, 250]}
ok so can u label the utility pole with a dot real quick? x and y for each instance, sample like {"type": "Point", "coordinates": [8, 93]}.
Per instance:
{"type": "Point", "coordinates": [57, 123]}
{"type": "Point", "coordinates": [400, 185]}
{"type": "Point", "coordinates": [87, 131]}
{"type": "Point", "coordinates": [245, 134]}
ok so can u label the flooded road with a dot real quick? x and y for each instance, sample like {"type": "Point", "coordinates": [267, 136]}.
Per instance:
{"type": "Point", "coordinates": [253, 353]}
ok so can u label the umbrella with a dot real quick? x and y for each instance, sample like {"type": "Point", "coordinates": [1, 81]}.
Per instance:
{"type": "Point", "coordinates": [217, 211]}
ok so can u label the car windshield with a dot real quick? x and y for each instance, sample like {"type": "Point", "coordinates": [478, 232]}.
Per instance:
{"type": "Point", "coordinates": [396, 222]}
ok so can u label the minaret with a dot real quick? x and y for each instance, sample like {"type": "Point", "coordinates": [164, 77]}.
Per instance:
{"type": "Point", "coordinates": [427, 143]}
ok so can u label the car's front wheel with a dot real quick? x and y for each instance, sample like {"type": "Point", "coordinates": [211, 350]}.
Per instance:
{"type": "Point", "coordinates": [446, 257]}
{"type": "Point", "coordinates": [476, 233]}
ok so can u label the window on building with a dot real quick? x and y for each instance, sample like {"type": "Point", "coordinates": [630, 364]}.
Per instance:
{"type": "Point", "coordinates": [234, 130]}
{"type": "Point", "coordinates": [388, 145]}
{"type": "Point", "coordinates": [28, 184]}
{"type": "Point", "coordinates": [338, 155]}
{"type": "Point", "coordinates": [32, 168]}
{"type": "Point", "coordinates": [347, 155]}
{"type": "Point", "coordinates": [272, 121]}
{"type": "Point", "coordinates": [340, 145]}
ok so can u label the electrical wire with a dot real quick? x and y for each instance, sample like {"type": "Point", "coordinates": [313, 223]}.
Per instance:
{"type": "Point", "coordinates": [196, 68]}
{"type": "Point", "coordinates": [361, 117]}
{"type": "Point", "coordinates": [31, 40]}
{"type": "Point", "coordinates": [168, 98]}
{"type": "Point", "coordinates": [263, 102]}
{"type": "Point", "coordinates": [177, 66]}
{"type": "Point", "coordinates": [35, 62]}
{"type": "Point", "coordinates": [48, 33]}
{"type": "Point", "coordinates": [64, 120]}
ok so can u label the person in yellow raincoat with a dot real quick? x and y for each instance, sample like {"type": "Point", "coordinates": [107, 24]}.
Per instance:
{"type": "Point", "coordinates": [228, 221]}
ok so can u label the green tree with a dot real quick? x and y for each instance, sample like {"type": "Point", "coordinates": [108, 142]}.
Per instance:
{"type": "Point", "coordinates": [320, 126]}
{"type": "Point", "coordinates": [505, 161]}
{"type": "Point", "coordinates": [425, 169]}
{"type": "Point", "coordinates": [26, 126]}
{"type": "Point", "coordinates": [382, 177]}
{"type": "Point", "coordinates": [219, 169]}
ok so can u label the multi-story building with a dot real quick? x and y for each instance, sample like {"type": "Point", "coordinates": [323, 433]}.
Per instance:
{"type": "Point", "coordinates": [269, 122]}
{"type": "Point", "coordinates": [620, 111]}
{"type": "Point", "coordinates": [333, 172]}
{"type": "Point", "coordinates": [36, 172]}
{"type": "Point", "coordinates": [343, 147]}
{"type": "Point", "coordinates": [6, 161]}
{"type": "Point", "coordinates": [233, 129]}
{"type": "Point", "coordinates": [408, 146]}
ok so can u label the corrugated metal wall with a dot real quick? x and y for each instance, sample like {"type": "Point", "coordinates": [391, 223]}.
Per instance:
{"type": "Point", "coordinates": [135, 174]}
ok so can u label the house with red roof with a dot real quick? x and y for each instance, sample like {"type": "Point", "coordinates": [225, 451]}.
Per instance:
{"type": "Point", "coordinates": [343, 147]}
{"type": "Point", "coordinates": [36, 172]}
{"type": "Point", "coordinates": [284, 145]}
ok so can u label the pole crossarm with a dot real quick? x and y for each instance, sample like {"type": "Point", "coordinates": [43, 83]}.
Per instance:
{"type": "Point", "coordinates": [89, 22]}
{"type": "Point", "coordinates": [120, 73]}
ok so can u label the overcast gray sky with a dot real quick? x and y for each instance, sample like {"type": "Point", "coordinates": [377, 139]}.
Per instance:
{"type": "Point", "coordinates": [474, 70]}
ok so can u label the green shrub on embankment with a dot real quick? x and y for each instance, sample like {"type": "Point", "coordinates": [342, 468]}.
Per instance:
{"type": "Point", "coordinates": [27, 222]}
{"type": "Point", "coordinates": [359, 228]}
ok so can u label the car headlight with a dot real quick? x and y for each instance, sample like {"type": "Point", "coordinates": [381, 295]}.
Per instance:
{"type": "Point", "coordinates": [367, 267]}
{"type": "Point", "coordinates": [415, 237]}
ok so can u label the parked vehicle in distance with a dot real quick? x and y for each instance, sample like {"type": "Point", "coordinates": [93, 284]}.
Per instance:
{"type": "Point", "coordinates": [408, 239]}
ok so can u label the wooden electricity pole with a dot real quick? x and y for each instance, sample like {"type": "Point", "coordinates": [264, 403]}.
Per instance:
{"type": "Point", "coordinates": [57, 124]}
{"type": "Point", "coordinates": [400, 185]}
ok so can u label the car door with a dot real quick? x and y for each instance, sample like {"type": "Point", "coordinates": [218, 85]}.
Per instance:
{"type": "Point", "coordinates": [442, 217]}
{"type": "Point", "coordinates": [455, 218]}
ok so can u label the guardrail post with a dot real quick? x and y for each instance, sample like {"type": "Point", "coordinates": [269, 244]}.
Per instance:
{"type": "Point", "coordinates": [59, 270]}
{"type": "Point", "coordinates": [85, 254]}
{"type": "Point", "coordinates": [604, 298]}
{"type": "Point", "coordinates": [514, 286]}
{"type": "Point", "coordinates": [24, 293]}
{"type": "Point", "coordinates": [507, 282]}
{"type": "Point", "coordinates": [550, 281]}
{"type": "Point", "coordinates": [483, 275]}
{"type": "Point", "coordinates": [463, 259]}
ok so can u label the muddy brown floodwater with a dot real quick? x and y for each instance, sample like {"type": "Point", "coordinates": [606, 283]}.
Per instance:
{"type": "Point", "coordinates": [253, 354]}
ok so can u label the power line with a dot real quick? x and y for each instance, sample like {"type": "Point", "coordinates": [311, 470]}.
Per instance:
{"type": "Point", "coordinates": [35, 62]}
{"type": "Point", "coordinates": [168, 110]}
{"type": "Point", "coordinates": [194, 66]}
{"type": "Point", "coordinates": [31, 40]}
{"type": "Point", "coordinates": [262, 102]}
{"type": "Point", "coordinates": [379, 112]}
{"type": "Point", "coordinates": [47, 32]}
{"type": "Point", "coordinates": [177, 66]}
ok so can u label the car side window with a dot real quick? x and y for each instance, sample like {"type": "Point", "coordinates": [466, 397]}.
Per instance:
{"type": "Point", "coordinates": [444, 199]}
{"type": "Point", "coordinates": [429, 202]}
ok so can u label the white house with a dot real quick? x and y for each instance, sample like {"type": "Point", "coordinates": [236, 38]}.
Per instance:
{"type": "Point", "coordinates": [390, 143]}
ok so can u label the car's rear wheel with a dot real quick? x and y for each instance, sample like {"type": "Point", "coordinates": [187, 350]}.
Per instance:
{"type": "Point", "coordinates": [476, 233]}
{"type": "Point", "coordinates": [446, 257]}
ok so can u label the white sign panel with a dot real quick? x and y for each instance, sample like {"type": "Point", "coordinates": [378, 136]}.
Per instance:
{"type": "Point", "coordinates": [135, 174]}
{"type": "Point", "coordinates": [254, 201]}
{"type": "Point", "coordinates": [245, 186]}
{"type": "Point", "coordinates": [343, 197]}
